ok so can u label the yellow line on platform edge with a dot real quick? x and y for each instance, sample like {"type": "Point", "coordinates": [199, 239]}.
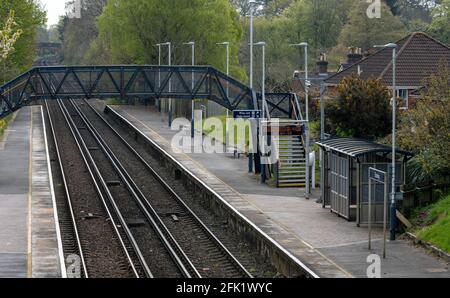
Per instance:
{"type": "Point", "coordinates": [30, 185]}
{"type": "Point", "coordinates": [256, 207]}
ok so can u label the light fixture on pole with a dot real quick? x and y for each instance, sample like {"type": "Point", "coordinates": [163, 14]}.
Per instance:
{"type": "Point", "coordinates": [169, 44]}
{"type": "Point", "coordinates": [392, 209]}
{"type": "Point", "coordinates": [192, 44]}
{"type": "Point", "coordinates": [306, 86]}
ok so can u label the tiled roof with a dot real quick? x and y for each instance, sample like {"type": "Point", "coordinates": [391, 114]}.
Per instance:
{"type": "Point", "coordinates": [418, 56]}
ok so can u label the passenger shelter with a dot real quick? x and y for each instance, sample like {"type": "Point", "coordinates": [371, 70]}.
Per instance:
{"type": "Point", "coordinates": [345, 167]}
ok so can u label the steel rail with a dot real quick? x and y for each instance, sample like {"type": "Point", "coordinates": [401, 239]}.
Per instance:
{"type": "Point", "coordinates": [154, 219]}
{"type": "Point", "coordinates": [74, 222]}
{"type": "Point", "coordinates": [72, 128]}
{"type": "Point", "coordinates": [173, 194]}
{"type": "Point", "coordinates": [111, 200]}
{"type": "Point", "coordinates": [67, 193]}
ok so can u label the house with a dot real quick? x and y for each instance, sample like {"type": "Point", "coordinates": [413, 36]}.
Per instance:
{"type": "Point", "coordinates": [315, 78]}
{"type": "Point", "coordinates": [418, 56]}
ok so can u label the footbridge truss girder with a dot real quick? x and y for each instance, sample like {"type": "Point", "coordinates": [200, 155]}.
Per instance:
{"type": "Point", "coordinates": [140, 81]}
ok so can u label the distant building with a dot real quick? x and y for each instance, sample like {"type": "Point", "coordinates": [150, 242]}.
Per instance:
{"type": "Point", "coordinates": [316, 77]}
{"type": "Point", "coordinates": [418, 57]}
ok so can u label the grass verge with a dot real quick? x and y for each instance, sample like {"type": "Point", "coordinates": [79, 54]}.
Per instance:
{"type": "Point", "coordinates": [4, 123]}
{"type": "Point", "coordinates": [432, 224]}
{"type": "Point", "coordinates": [219, 132]}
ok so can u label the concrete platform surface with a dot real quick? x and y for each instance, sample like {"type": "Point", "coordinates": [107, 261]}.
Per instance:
{"type": "Point", "coordinates": [330, 245]}
{"type": "Point", "coordinates": [30, 245]}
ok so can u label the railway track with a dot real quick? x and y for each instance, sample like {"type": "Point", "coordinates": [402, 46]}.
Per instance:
{"type": "Point", "coordinates": [90, 232]}
{"type": "Point", "coordinates": [159, 234]}
{"type": "Point", "coordinates": [196, 246]}
{"type": "Point", "coordinates": [157, 250]}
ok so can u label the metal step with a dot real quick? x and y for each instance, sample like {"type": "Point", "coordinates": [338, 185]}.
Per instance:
{"type": "Point", "coordinates": [286, 185]}
{"type": "Point", "coordinates": [292, 154]}
{"type": "Point", "coordinates": [295, 177]}
{"type": "Point", "coordinates": [292, 141]}
{"type": "Point", "coordinates": [291, 180]}
{"type": "Point", "coordinates": [291, 148]}
{"type": "Point", "coordinates": [292, 160]}
{"type": "Point", "coordinates": [292, 170]}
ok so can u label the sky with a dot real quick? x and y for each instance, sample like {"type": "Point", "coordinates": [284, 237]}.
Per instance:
{"type": "Point", "coordinates": [55, 8]}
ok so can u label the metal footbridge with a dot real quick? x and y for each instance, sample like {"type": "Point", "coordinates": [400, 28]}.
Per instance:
{"type": "Point", "coordinates": [172, 82]}
{"type": "Point", "coordinates": [139, 81]}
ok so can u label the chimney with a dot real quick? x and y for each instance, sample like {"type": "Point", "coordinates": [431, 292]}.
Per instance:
{"type": "Point", "coordinates": [322, 64]}
{"type": "Point", "coordinates": [354, 55]}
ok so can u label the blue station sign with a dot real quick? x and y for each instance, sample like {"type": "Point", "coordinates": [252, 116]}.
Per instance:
{"type": "Point", "coordinates": [247, 114]}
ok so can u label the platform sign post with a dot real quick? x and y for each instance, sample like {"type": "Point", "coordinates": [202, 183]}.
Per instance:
{"type": "Point", "coordinates": [377, 176]}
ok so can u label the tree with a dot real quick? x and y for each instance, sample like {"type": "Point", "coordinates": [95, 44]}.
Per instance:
{"type": "Point", "coordinates": [276, 7]}
{"type": "Point", "coordinates": [242, 6]}
{"type": "Point", "coordinates": [8, 37]}
{"type": "Point", "coordinates": [440, 26]}
{"type": "Point", "coordinates": [78, 33]}
{"type": "Point", "coordinates": [28, 16]}
{"type": "Point", "coordinates": [394, 5]}
{"type": "Point", "coordinates": [362, 109]}
{"type": "Point", "coordinates": [263, 7]}
{"type": "Point", "coordinates": [425, 129]}
{"type": "Point", "coordinates": [129, 30]}
{"type": "Point", "coordinates": [317, 22]}
{"type": "Point", "coordinates": [364, 32]}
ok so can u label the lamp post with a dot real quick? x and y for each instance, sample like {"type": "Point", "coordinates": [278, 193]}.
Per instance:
{"type": "Point", "coordinates": [392, 208]}
{"type": "Point", "coordinates": [192, 44]}
{"type": "Point", "coordinates": [227, 46]}
{"type": "Point", "coordinates": [263, 93]}
{"type": "Point", "coordinates": [169, 44]}
{"type": "Point", "coordinates": [263, 87]}
{"type": "Point", "coordinates": [252, 4]}
{"type": "Point", "coordinates": [308, 174]}
{"type": "Point", "coordinates": [305, 46]}
{"type": "Point", "coordinates": [159, 74]}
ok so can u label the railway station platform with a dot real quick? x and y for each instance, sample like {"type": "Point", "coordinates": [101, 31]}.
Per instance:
{"type": "Point", "coordinates": [330, 246]}
{"type": "Point", "coordinates": [30, 244]}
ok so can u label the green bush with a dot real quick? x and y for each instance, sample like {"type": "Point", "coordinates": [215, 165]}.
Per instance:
{"type": "Point", "coordinates": [361, 110]}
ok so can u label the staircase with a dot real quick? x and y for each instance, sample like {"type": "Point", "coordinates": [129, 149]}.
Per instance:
{"type": "Point", "coordinates": [291, 167]}
{"type": "Point", "coordinates": [287, 135]}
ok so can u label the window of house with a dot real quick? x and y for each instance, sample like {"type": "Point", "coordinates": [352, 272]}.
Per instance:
{"type": "Point", "coordinates": [403, 94]}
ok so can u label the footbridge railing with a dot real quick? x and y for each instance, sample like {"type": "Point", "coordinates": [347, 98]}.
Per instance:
{"type": "Point", "coordinates": [137, 81]}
